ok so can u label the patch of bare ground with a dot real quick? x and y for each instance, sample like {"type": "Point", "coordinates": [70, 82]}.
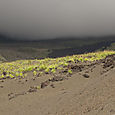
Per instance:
{"type": "Point", "coordinates": [88, 90]}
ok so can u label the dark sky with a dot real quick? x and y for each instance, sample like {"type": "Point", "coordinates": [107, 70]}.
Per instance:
{"type": "Point", "coordinates": [36, 19]}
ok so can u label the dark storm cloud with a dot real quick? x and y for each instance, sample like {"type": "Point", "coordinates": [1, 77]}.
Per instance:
{"type": "Point", "coordinates": [55, 18]}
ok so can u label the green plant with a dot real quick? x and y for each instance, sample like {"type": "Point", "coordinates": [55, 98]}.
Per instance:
{"type": "Point", "coordinates": [53, 70]}
{"type": "Point", "coordinates": [11, 76]}
{"type": "Point", "coordinates": [2, 76]}
{"type": "Point", "coordinates": [70, 71]}
{"type": "Point", "coordinates": [34, 73]}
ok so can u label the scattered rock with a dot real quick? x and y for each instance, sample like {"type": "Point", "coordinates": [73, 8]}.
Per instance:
{"type": "Point", "coordinates": [1, 86]}
{"type": "Point", "coordinates": [11, 96]}
{"type": "Point", "coordinates": [86, 71]}
{"type": "Point", "coordinates": [86, 75]}
{"type": "Point", "coordinates": [65, 71]}
{"type": "Point", "coordinates": [45, 84]}
{"type": "Point", "coordinates": [91, 70]}
{"type": "Point", "coordinates": [19, 81]}
{"type": "Point", "coordinates": [52, 85]}
{"type": "Point", "coordinates": [33, 79]}
{"type": "Point", "coordinates": [1, 80]}
{"type": "Point", "coordinates": [76, 67]}
{"type": "Point", "coordinates": [112, 111]}
{"type": "Point", "coordinates": [57, 78]}
{"type": "Point", "coordinates": [26, 80]}
{"type": "Point", "coordinates": [38, 75]}
{"type": "Point", "coordinates": [68, 75]}
{"type": "Point", "coordinates": [32, 89]}
{"type": "Point", "coordinates": [4, 73]}
{"type": "Point", "coordinates": [109, 61]}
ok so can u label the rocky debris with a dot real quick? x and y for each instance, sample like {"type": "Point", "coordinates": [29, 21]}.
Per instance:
{"type": "Point", "coordinates": [64, 71]}
{"type": "Point", "coordinates": [12, 95]}
{"type": "Point", "coordinates": [112, 111]}
{"type": "Point", "coordinates": [86, 75]}
{"type": "Point", "coordinates": [38, 75]}
{"type": "Point", "coordinates": [1, 80]}
{"type": "Point", "coordinates": [76, 67]}
{"type": "Point", "coordinates": [26, 80]}
{"type": "Point", "coordinates": [5, 77]}
{"type": "Point", "coordinates": [57, 78]}
{"type": "Point", "coordinates": [45, 84]}
{"type": "Point", "coordinates": [52, 85]}
{"type": "Point", "coordinates": [33, 79]}
{"type": "Point", "coordinates": [86, 71]}
{"type": "Point", "coordinates": [4, 73]}
{"type": "Point", "coordinates": [32, 89]}
{"type": "Point", "coordinates": [68, 75]}
{"type": "Point", "coordinates": [109, 61]}
{"type": "Point", "coordinates": [1, 86]}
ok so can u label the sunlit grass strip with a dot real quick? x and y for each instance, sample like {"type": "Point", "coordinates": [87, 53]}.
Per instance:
{"type": "Point", "coordinates": [19, 68]}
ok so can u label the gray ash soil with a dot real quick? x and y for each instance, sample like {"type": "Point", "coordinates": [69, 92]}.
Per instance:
{"type": "Point", "coordinates": [89, 90]}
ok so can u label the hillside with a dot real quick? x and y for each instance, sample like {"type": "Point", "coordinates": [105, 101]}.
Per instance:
{"type": "Point", "coordinates": [71, 85]}
{"type": "Point", "coordinates": [12, 50]}
{"type": "Point", "coordinates": [111, 47]}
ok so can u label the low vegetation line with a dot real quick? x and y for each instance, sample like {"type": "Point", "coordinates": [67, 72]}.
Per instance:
{"type": "Point", "coordinates": [20, 68]}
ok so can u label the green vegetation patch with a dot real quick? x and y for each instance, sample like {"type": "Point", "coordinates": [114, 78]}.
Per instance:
{"type": "Point", "coordinates": [20, 68]}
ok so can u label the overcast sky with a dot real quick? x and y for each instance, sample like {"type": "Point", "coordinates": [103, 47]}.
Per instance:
{"type": "Point", "coordinates": [55, 18]}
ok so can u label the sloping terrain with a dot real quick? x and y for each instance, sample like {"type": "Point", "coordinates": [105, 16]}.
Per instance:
{"type": "Point", "coordinates": [77, 85]}
{"type": "Point", "coordinates": [12, 50]}
{"type": "Point", "coordinates": [111, 47]}
{"type": "Point", "coordinates": [19, 53]}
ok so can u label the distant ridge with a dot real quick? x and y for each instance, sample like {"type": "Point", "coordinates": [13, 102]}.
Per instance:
{"type": "Point", "coordinates": [4, 38]}
{"type": "Point", "coordinates": [15, 48]}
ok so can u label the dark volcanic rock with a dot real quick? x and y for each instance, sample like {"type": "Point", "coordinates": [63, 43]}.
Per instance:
{"type": "Point", "coordinates": [57, 78]}
{"type": "Point", "coordinates": [45, 84]}
{"type": "Point", "coordinates": [32, 89]}
{"type": "Point", "coordinates": [52, 85]}
{"type": "Point", "coordinates": [86, 75]}
{"type": "Point", "coordinates": [4, 73]}
{"type": "Point", "coordinates": [76, 67]}
{"type": "Point", "coordinates": [109, 61]}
